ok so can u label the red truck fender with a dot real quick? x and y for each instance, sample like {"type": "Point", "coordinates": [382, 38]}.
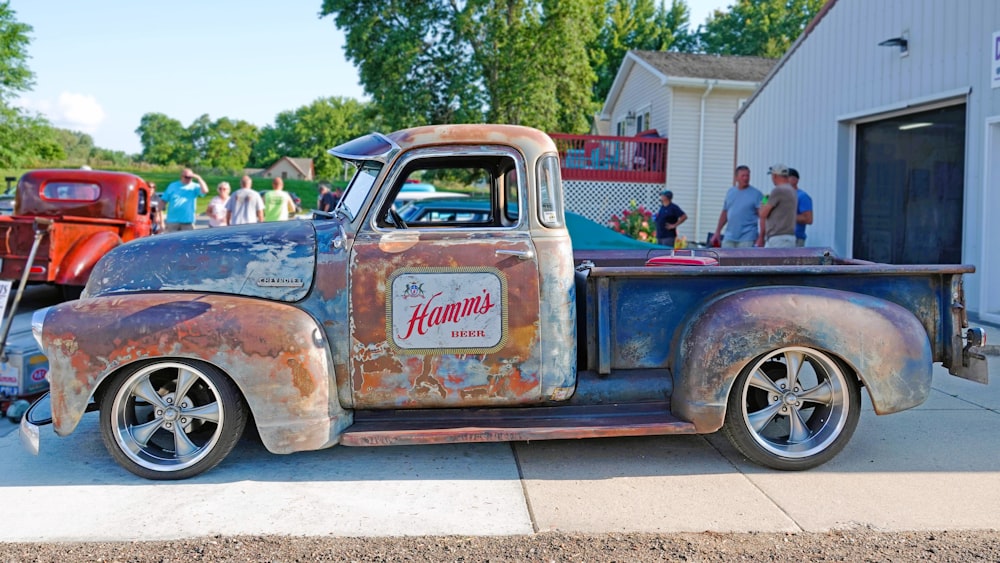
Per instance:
{"type": "Point", "coordinates": [274, 353]}
{"type": "Point", "coordinates": [83, 255]}
{"type": "Point", "coordinates": [883, 343]}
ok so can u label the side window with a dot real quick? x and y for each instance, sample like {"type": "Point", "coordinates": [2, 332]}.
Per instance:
{"type": "Point", "coordinates": [143, 202]}
{"type": "Point", "coordinates": [550, 211]}
{"type": "Point", "coordinates": [454, 192]}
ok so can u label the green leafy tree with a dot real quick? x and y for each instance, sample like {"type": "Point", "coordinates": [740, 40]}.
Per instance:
{"type": "Point", "coordinates": [309, 131]}
{"type": "Point", "coordinates": [452, 61]}
{"type": "Point", "coordinates": [640, 25]}
{"type": "Point", "coordinates": [15, 76]}
{"type": "Point", "coordinates": [410, 59]}
{"type": "Point", "coordinates": [763, 28]}
{"type": "Point", "coordinates": [25, 138]}
{"type": "Point", "coordinates": [164, 139]}
{"type": "Point", "coordinates": [227, 144]}
{"type": "Point", "coordinates": [75, 145]}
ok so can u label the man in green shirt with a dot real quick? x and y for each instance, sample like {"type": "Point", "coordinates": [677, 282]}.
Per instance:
{"type": "Point", "coordinates": [277, 203]}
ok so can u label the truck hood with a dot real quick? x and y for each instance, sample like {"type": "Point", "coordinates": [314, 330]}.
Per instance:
{"type": "Point", "coordinates": [272, 260]}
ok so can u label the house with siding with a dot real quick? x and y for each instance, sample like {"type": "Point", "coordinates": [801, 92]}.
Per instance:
{"type": "Point", "coordinates": [691, 100]}
{"type": "Point", "coordinates": [890, 111]}
{"type": "Point", "coordinates": [287, 167]}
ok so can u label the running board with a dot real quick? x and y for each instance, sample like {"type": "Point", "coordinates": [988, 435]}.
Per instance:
{"type": "Point", "coordinates": [448, 426]}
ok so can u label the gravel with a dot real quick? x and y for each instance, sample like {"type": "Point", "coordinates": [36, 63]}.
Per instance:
{"type": "Point", "coordinates": [853, 545]}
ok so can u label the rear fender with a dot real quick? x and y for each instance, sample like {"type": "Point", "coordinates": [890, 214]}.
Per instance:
{"type": "Point", "coordinates": [882, 342]}
{"type": "Point", "coordinates": [275, 353]}
{"type": "Point", "coordinates": [83, 255]}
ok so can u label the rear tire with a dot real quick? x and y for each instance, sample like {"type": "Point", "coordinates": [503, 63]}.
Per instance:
{"type": "Point", "coordinates": [171, 419]}
{"type": "Point", "coordinates": [793, 408]}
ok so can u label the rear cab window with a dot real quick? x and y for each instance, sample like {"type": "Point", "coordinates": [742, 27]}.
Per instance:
{"type": "Point", "coordinates": [71, 191]}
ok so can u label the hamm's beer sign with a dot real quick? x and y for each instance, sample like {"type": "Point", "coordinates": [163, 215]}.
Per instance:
{"type": "Point", "coordinates": [442, 310]}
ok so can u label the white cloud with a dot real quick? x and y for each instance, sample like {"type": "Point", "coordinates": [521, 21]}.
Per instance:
{"type": "Point", "coordinates": [78, 112]}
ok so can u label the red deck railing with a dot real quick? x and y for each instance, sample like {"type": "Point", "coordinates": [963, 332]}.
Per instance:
{"type": "Point", "coordinates": [612, 159]}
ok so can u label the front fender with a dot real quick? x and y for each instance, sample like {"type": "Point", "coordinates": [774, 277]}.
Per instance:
{"type": "Point", "coordinates": [882, 342]}
{"type": "Point", "coordinates": [83, 255]}
{"type": "Point", "coordinates": [275, 353]}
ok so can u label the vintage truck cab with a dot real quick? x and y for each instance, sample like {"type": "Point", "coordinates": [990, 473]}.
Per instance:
{"type": "Point", "coordinates": [358, 328]}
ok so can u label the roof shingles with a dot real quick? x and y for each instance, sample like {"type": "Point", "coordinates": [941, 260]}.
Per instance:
{"type": "Point", "coordinates": [712, 67]}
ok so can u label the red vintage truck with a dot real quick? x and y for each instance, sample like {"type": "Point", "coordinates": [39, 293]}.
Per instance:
{"type": "Point", "coordinates": [77, 216]}
{"type": "Point", "coordinates": [361, 328]}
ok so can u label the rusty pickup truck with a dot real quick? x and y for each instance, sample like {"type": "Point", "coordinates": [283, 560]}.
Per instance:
{"type": "Point", "coordinates": [359, 328]}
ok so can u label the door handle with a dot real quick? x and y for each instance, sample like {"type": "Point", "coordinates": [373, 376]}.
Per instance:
{"type": "Point", "coordinates": [522, 254]}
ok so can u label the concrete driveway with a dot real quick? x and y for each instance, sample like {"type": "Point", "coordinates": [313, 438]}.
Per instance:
{"type": "Point", "coordinates": [934, 467]}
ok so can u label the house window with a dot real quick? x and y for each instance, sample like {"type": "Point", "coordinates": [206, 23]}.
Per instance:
{"type": "Point", "coordinates": [284, 174]}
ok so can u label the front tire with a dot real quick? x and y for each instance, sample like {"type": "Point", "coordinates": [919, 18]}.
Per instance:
{"type": "Point", "coordinates": [793, 408]}
{"type": "Point", "coordinates": [171, 419]}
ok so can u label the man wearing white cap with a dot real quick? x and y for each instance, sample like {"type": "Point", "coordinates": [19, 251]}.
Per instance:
{"type": "Point", "coordinates": [779, 211]}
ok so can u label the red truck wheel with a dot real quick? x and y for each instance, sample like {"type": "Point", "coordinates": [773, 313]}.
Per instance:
{"type": "Point", "coordinates": [171, 419]}
{"type": "Point", "coordinates": [793, 408]}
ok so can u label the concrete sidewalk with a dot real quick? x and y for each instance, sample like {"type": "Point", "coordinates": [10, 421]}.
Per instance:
{"type": "Point", "coordinates": [934, 467]}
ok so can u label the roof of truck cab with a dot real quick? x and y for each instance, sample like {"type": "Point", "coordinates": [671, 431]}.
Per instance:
{"type": "Point", "coordinates": [531, 142]}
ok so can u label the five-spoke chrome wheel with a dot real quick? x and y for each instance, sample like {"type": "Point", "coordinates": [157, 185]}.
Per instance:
{"type": "Point", "coordinates": [171, 419]}
{"type": "Point", "coordinates": [792, 408]}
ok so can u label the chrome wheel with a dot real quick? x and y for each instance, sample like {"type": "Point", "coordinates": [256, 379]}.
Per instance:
{"type": "Point", "coordinates": [171, 420]}
{"type": "Point", "coordinates": [792, 408]}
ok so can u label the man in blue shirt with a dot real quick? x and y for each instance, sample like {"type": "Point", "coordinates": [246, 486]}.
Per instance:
{"type": "Point", "coordinates": [668, 218]}
{"type": "Point", "coordinates": [804, 211]}
{"type": "Point", "coordinates": [740, 214]}
{"type": "Point", "coordinates": [180, 198]}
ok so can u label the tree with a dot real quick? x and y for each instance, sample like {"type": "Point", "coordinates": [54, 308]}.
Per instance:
{"type": "Point", "coordinates": [25, 138]}
{"type": "Point", "coordinates": [452, 61]}
{"type": "Point", "coordinates": [640, 25]}
{"type": "Point", "coordinates": [75, 145]}
{"type": "Point", "coordinates": [310, 131]}
{"type": "Point", "coordinates": [228, 144]}
{"type": "Point", "coordinates": [15, 76]}
{"type": "Point", "coordinates": [763, 28]}
{"type": "Point", "coordinates": [164, 139]}
{"type": "Point", "coordinates": [410, 59]}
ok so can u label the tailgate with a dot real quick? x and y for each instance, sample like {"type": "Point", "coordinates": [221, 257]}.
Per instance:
{"type": "Point", "coordinates": [17, 234]}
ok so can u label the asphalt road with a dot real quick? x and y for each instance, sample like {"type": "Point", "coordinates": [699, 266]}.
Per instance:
{"type": "Point", "coordinates": [936, 467]}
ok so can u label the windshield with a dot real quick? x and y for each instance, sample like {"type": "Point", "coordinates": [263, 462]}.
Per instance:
{"type": "Point", "coordinates": [357, 192]}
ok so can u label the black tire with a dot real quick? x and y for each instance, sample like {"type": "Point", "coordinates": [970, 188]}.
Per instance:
{"type": "Point", "coordinates": [793, 408]}
{"type": "Point", "coordinates": [145, 422]}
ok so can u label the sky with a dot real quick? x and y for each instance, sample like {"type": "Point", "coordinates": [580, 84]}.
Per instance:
{"type": "Point", "coordinates": [100, 65]}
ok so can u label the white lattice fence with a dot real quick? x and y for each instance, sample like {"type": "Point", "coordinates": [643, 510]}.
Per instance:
{"type": "Point", "coordinates": [597, 201]}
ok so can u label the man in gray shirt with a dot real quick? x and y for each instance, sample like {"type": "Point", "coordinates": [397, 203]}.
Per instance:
{"type": "Point", "coordinates": [739, 213]}
{"type": "Point", "coordinates": [245, 206]}
{"type": "Point", "coordinates": [780, 210]}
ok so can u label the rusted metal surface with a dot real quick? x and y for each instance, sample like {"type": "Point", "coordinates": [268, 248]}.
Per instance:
{"type": "Point", "coordinates": [531, 142]}
{"type": "Point", "coordinates": [391, 428]}
{"type": "Point", "coordinates": [271, 260]}
{"type": "Point", "coordinates": [276, 354]}
{"type": "Point", "coordinates": [384, 376]}
{"type": "Point", "coordinates": [882, 342]}
{"type": "Point", "coordinates": [557, 319]}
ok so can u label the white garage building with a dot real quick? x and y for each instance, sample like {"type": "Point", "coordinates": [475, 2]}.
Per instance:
{"type": "Point", "coordinates": [890, 110]}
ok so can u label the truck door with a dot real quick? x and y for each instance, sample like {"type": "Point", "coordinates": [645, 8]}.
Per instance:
{"type": "Point", "coordinates": [444, 288]}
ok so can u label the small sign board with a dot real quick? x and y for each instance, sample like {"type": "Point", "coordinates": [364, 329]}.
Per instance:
{"type": "Point", "coordinates": [995, 58]}
{"type": "Point", "coordinates": [442, 310]}
{"type": "Point", "coordinates": [4, 294]}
